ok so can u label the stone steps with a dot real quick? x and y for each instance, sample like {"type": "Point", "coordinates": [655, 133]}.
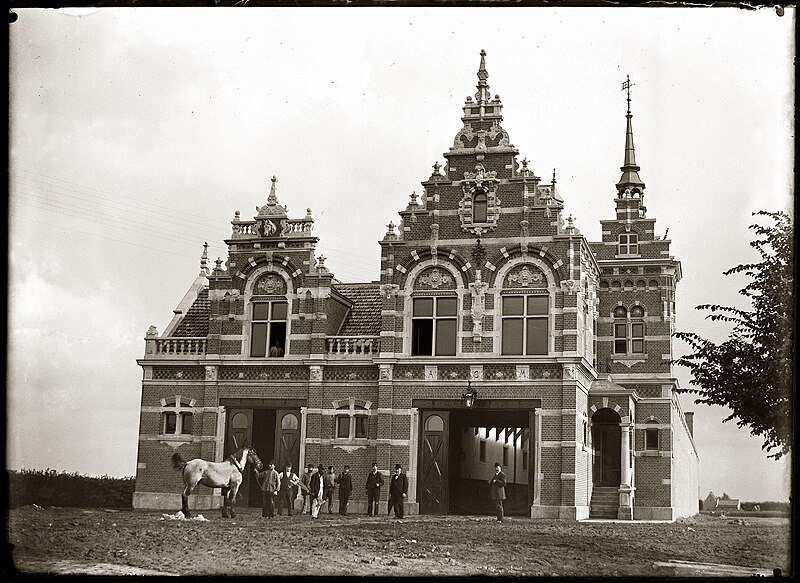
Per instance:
{"type": "Point", "coordinates": [605, 503]}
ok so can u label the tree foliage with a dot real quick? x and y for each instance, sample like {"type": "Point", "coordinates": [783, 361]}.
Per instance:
{"type": "Point", "coordinates": [752, 371]}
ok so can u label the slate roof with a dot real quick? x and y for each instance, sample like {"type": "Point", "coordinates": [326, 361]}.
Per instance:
{"type": "Point", "coordinates": [364, 318]}
{"type": "Point", "coordinates": [195, 322]}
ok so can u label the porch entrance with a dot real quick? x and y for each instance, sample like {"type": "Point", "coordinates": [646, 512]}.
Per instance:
{"type": "Point", "coordinates": [458, 450]}
{"type": "Point", "coordinates": [274, 432]}
{"type": "Point", "coordinates": [607, 438]}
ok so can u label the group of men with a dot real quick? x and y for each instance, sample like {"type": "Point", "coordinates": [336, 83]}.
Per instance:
{"type": "Point", "coordinates": [319, 487]}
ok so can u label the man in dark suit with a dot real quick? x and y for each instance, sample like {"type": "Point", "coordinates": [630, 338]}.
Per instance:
{"type": "Point", "coordinates": [398, 490]}
{"type": "Point", "coordinates": [374, 483]}
{"type": "Point", "coordinates": [497, 485]}
{"type": "Point", "coordinates": [345, 481]}
{"type": "Point", "coordinates": [330, 488]}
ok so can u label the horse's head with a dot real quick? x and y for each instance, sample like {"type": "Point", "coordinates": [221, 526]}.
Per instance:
{"type": "Point", "coordinates": [253, 458]}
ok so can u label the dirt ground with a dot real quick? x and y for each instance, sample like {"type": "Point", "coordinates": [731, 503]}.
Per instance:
{"type": "Point", "coordinates": [104, 542]}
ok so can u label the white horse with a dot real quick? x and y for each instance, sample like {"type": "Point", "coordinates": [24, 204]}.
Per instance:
{"type": "Point", "coordinates": [226, 475]}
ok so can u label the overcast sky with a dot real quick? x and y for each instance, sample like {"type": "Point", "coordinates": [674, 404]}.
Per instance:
{"type": "Point", "coordinates": [137, 133]}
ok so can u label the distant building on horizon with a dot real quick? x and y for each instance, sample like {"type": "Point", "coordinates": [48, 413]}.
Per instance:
{"type": "Point", "coordinates": [713, 502]}
{"type": "Point", "coordinates": [494, 332]}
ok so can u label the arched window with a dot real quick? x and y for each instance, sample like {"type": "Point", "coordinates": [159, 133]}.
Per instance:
{"type": "Point", "coordinates": [629, 330]}
{"type": "Point", "coordinates": [289, 421]}
{"type": "Point", "coordinates": [479, 207]}
{"type": "Point", "coordinates": [628, 244]}
{"type": "Point", "coordinates": [176, 416]}
{"type": "Point", "coordinates": [352, 422]}
{"type": "Point", "coordinates": [525, 324]}
{"type": "Point", "coordinates": [434, 325]}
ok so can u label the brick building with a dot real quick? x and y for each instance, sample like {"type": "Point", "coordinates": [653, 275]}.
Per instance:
{"type": "Point", "coordinates": [488, 296]}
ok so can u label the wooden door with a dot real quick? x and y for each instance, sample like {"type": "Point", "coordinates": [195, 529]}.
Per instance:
{"type": "Point", "coordinates": [433, 477]}
{"type": "Point", "coordinates": [610, 460]}
{"type": "Point", "coordinates": [239, 433]}
{"type": "Point", "coordinates": [287, 439]}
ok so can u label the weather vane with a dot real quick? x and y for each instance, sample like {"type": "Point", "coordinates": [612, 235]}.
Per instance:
{"type": "Point", "coordinates": [626, 85]}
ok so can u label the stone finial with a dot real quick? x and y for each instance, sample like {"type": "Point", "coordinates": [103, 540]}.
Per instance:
{"type": "Point", "coordinates": [390, 228]}
{"type": "Point", "coordinates": [321, 263]}
{"type": "Point", "coordinates": [436, 167]}
{"type": "Point", "coordinates": [237, 216]}
{"type": "Point", "coordinates": [308, 214]}
{"type": "Point", "coordinates": [204, 260]}
{"type": "Point", "coordinates": [414, 198]}
{"type": "Point", "coordinates": [152, 332]}
{"type": "Point", "coordinates": [273, 197]}
{"type": "Point", "coordinates": [218, 265]}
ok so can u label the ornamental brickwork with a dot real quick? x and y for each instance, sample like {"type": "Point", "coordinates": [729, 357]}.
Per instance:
{"type": "Point", "coordinates": [493, 328]}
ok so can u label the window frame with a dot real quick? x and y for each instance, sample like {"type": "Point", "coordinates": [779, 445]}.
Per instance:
{"type": "Point", "coordinates": [177, 410]}
{"type": "Point", "coordinates": [525, 318]}
{"type": "Point", "coordinates": [270, 321]}
{"type": "Point", "coordinates": [352, 414]}
{"type": "Point", "coordinates": [624, 331]}
{"type": "Point", "coordinates": [630, 246]}
{"type": "Point", "coordinates": [436, 322]}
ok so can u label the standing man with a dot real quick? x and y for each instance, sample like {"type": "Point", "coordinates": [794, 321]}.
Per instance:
{"type": "Point", "coordinates": [345, 481]}
{"type": "Point", "coordinates": [288, 481]}
{"type": "Point", "coordinates": [270, 483]}
{"type": "Point", "coordinates": [497, 490]}
{"type": "Point", "coordinates": [374, 483]}
{"type": "Point", "coordinates": [398, 490]}
{"type": "Point", "coordinates": [317, 490]}
{"type": "Point", "coordinates": [330, 487]}
{"type": "Point", "coordinates": [304, 480]}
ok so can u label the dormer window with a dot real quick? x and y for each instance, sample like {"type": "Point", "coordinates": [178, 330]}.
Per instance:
{"type": "Point", "coordinates": [479, 207]}
{"type": "Point", "coordinates": [628, 244]}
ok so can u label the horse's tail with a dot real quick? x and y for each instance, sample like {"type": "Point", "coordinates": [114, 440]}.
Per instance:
{"type": "Point", "coordinates": [177, 461]}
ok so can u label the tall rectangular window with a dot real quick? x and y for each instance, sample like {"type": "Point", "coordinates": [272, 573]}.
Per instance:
{"type": "Point", "coordinates": [525, 325]}
{"type": "Point", "coordinates": [434, 326]}
{"type": "Point", "coordinates": [268, 329]}
{"type": "Point", "coordinates": [621, 338]}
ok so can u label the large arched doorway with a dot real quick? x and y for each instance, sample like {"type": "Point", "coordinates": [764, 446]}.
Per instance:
{"type": "Point", "coordinates": [607, 436]}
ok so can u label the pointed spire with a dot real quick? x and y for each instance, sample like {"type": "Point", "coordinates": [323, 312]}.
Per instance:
{"type": "Point", "coordinates": [630, 171]}
{"type": "Point", "coordinates": [273, 197]}
{"type": "Point", "coordinates": [483, 95]}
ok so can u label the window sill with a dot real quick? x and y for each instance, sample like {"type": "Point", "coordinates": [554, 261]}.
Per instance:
{"type": "Point", "coordinates": [628, 359]}
{"type": "Point", "coordinates": [350, 445]}
{"type": "Point", "coordinates": [650, 453]}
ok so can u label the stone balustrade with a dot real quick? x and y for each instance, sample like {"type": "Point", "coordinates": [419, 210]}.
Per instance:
{"type": "Point", "coordinates": [353, 346]}
{"type": "Point", "coordinates": [180, 347]}
{"type": "Point", "coordinates": [289, 228]}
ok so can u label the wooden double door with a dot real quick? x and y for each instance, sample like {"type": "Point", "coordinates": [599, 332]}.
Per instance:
{"type": "Point", "coordinates": [275, 434]}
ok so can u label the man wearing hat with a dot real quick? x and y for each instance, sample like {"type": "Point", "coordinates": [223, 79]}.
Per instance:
{"type": "Point", "coordinates": [345, 481]}
{"type": "Point", "coordinates": [497, 492]}
{"type": "Point", "coordinates": [398, 490]}
{"type": "Point", "coordinates": [317, 489]}
{"type": "Point", "coordinates": [373, 488]}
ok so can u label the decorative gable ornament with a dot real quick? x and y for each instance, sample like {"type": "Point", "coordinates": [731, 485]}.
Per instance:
{"type": "Point", "coordinates": [436, 277]}
{"type": "Point", "coordinates": [525, 277]}
{"type": "Point", "coordinates": [479, 182]}
{"type": "Point", "coordinates": [270, 284]}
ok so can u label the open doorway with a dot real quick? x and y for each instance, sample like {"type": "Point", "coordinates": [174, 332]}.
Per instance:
{"type": "Point", "coordinates": [459, 448]}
